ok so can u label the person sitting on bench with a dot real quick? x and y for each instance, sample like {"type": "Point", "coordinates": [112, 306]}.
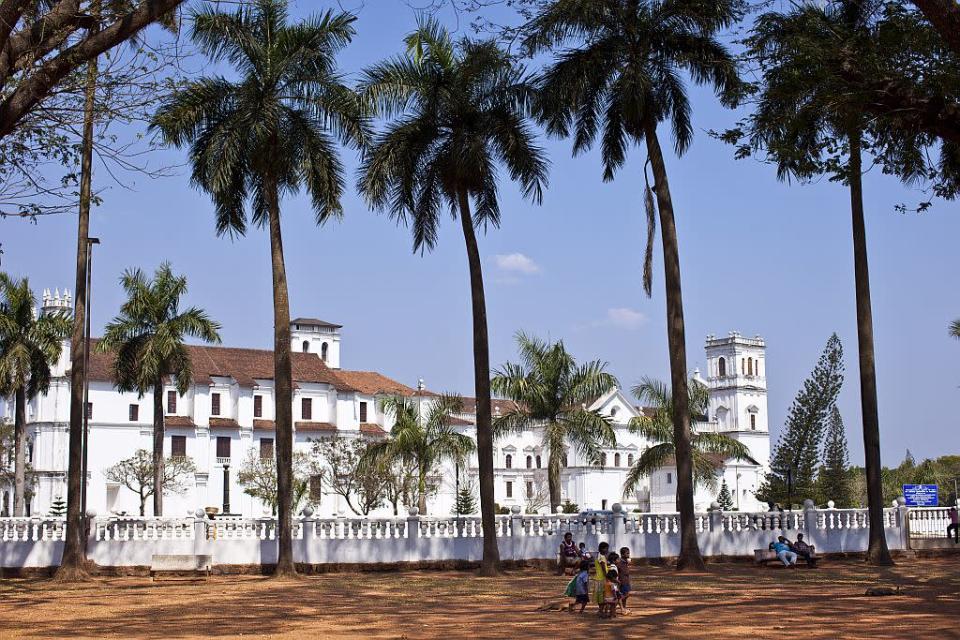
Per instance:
{"type": "Point", "coordinates": [803, 550]}
{"type": "Point", "coordinates": [784, 555]}
{"type": "Point", "coordinates": [569, 555]}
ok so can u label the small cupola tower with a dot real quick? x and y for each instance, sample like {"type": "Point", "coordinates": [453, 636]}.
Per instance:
{"type": "Point", "coordinates": [56, 303]}
{"type": "Point", "coordinates": [310, 335]}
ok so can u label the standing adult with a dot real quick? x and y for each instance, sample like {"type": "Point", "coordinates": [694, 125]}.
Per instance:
{"type": "Point", "coordinates": [953, 526]}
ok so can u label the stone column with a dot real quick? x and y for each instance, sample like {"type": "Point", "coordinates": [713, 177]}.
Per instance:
{"type": "Point", "coordinates": [517, 535]}
{"type": "Point", "coordinates": [903, 521]}
{"type": "Point", "coordinates": [309, 532]}
{"type": "Point", "coordinates": [414, 552]}
{"type": "Point", "coordinates": [716, 517]}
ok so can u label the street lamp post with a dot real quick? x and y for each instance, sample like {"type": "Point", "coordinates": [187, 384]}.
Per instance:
{"type": "Point", "coordinates": [226, 489]}
{"type": "Point", "coordinates": [738, 490]}
{"type": "Point", "coordinates": [88, 298]}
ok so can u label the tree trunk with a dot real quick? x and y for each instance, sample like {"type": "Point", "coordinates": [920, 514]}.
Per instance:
{"type": "Point", "coordinates": [20, 455]}
{"type": "Point", "coordinates": [553, 479]}
{"type": "Point", "coordinates": [74, 549]}
{"type": "Point", "coordinates": [490, 564]}
{"type": "Point", "coordinates": [282, 389]}
{"type": "Point", "coordinates": [422, 490]}
{"type": "Point", "coordinates": [143, 504]}
{"type": "Point", "coordinates": [158, 448]}
{"type": "Point", "coordinates": [689, 557]}
{"type": "Point", "coordinates": [877, 553]}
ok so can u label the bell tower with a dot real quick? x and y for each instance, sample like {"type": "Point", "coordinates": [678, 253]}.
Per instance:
{"type": "Point", "coordinates": [310, 335]}
{"type": "Point", "coordinates": [736, 378]}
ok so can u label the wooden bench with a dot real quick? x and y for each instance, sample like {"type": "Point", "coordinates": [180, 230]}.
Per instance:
{"type": "Point", "coordinates": [767, 556]}
{"type": "Point", "coordinates": [180, 563]}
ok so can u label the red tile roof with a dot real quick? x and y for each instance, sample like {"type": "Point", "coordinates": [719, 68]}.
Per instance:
{"type": "Point", "coordinates": [264, 425]}
{"type": "Point", "coordinates": [178, 421]}
{"type": "Point", "coordinates": [470, 405]}
{"type": "Point", "coordinates": [373, 383]}
{"type": "Point", "coordinates": [224, 423]}
{"type": "Point", "coordinates": [243, 365]}
{"type": "Point", "coordinates": [315, 426]}
{"type": "Point", "coordinates": [372, 429]}
{"type": "Point", "coordinates": [459, 422]}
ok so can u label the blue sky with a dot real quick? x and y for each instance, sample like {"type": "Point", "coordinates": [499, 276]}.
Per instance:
{"type": "Point", "coordinates": [757, 256]}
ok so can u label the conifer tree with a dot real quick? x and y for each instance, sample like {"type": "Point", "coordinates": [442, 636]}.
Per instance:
{"type": "Point", "coordinates": [724, 499]}
{"type": "Point", "coordinates": [792, 476]}
{"type": "Point", "coordinates": [832, 480]}
{"type": "Point", "coordinates": [466, 501]}
{"type": "Point", "coordinates": [58, 508]}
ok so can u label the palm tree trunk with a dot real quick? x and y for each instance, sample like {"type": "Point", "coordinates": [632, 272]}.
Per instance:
{"type": "Point", "coordinates": [74, 549]}
{"type": "Point", "coordinates": [158, 448]}
{"type": "Point", "coordinates": [490, 564]}
{"type": "Point", "coordinates": [877, 552]}
{"type": "Point", "coordinates": [282, 389]}
{"type": "Point", "coordinates": [553, 479]}
{"type": "Point", "coordinates": [689, 557]}
{"type": "Point", "coordinates": [20, 454]}
{"type": "Point", "coordinates": [422, 490]}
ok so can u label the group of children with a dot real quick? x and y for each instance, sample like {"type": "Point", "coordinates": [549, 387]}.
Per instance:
{"type": "Point", "coordinates": [611, 581]}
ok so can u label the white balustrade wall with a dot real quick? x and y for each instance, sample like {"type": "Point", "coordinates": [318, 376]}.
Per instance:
{"type": "Point", "coordinates": [113, 542]}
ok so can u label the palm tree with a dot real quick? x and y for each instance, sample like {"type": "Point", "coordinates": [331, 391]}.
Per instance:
{"type": "Point", "coordinates": [422, 443]}
{"type": "Point", "coordinates": [269, 133]}
{"type": "Point", "coordinates": [706, 447]}
{"type": "Point", "coordinates": [617, 75]}
{"type": "Point", "coordinates": [148, 341]}
{"type": "Point", "coordinates": [456, 111]}
{"type": "Point", "coordinates": [955, 329]}
{"type": "Point", "coordinates": [28, 346]}
{"type": "Point", "coordinates": [551, 392]}
{"type": "Point", "coordinates": [805, 112]}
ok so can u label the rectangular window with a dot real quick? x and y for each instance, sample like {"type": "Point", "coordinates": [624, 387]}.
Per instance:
{"type": "Point", "coordinates": [171, 402]}
{"type": "Point", "coordinates": [306, 408]}
{"type": "Point", "coordinates": [753, 421]}
{"type": "Point", "coordinates": [509, 489]}
{"type": "Point", "coordinates": [669, 478]}
{"type": "Point", "coordinates": [214, 404]}
{"type": "Point", "coordinates": [257, 406]}
{"type": "Point", "coordinates": [134, 413]}
{"type": "Point", "coordinates": [266, 448]}
{"type": "Point", "coordinates": [89, 411]}
{"type": "Point", "coordinates": [315, 488]}
{"type": "Point", "coordinates": [178, 446]}
{"type": "Point", "coordinates": [363, 412]}
{"type": "Point", "coordinates": [223, 447]}
{"type": "Point", "coordinates": [529, 489]}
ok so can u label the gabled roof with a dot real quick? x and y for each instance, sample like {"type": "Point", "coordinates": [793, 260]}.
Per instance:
{"type": "Point", "coordinates": [316, 322]}
{"type": "Point", "coordinates": [373, 383]}
{"type": "Point", "coordinates": [470, 405]}
{"type": "Point", "coordinates": [243, 365]}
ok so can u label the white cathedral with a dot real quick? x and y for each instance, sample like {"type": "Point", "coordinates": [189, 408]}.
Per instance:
{"type": "Point", "coordinates": [228, 411]}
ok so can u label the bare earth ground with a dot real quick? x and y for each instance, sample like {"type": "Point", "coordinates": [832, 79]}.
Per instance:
{"type": "Point", "coordinates": [731, 600]}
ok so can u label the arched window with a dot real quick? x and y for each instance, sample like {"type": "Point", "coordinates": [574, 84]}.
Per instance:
{"type": "Point", "coordinates": [630, 460]}
{"type": "Point", "coordinates": [616, 459]}
{"type": "Point", "coordinates": [613, 412]}
{"type": "Point", "coordinates": [508, 463]}
{"type": "Point", "coordinates": [564, 460]}
{"type": "Point", "coordinates": [749, 366]}
{"type": "Point", "coordinates": [743, 366]}
{"type": "Point", "coordinates": [753, 421]}
{"type": "Point", "coordinates": [323, 351]}
{"type": "Point", "coordinates": [529, 462]}
{"type": "Point", "coordinates": [538, 462]}
{"type": "Point", "coordinates": [722, 367]}
{"type": "Point", "coordinates": [306, 346]}
{"type": "Point", "coordinates": [603, 459]}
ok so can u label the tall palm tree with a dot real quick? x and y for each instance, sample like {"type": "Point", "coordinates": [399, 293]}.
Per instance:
{"type": "Point", "coordinates": [705, 447]}
{"type": "Point", "coordinates": [457, 111]}
{"type": "Point", "coordinates": [955, 329]}
{"type": "Point", "coordinates": [267, 134]}
{"type": "Point", "coordinates": [618, 73]}
{"type": "Point", "coordinates": [421, 442]}
{"type": "Point", "coordinates": [550, 392]}
{"type": "Point", "coordinates": [28, 346]}
{"type": "Point", "coordinates": [805, 112]}
{"type": "Point", "coordinates": [148, 341]}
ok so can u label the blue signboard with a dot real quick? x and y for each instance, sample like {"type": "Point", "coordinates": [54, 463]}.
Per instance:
{"type": "Point", "coordinates": [921, 495]}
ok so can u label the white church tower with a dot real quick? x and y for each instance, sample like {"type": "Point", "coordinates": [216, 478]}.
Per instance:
{"type": "Point", "coordinates": [310, 335]}
{"type": "Point", "coordinates": [736, 377]}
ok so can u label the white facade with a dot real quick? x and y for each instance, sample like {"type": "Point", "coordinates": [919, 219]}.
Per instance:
{"type": "Point", "coordinates": [228, 411]}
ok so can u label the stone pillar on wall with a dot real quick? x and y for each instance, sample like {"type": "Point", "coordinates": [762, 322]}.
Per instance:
{"type": "Point", "coordinates": [413, 535]}
{"type": "Point", "coordinates": [810, 530]}
{"type": "Point", "coordinates": [517, 537]}
{"type": "Point", "coordinates": [716, 517]}
{"type": "Point", "coordinates": [903, 521]}
{"type": "Point", "coordinates": [309, 531]}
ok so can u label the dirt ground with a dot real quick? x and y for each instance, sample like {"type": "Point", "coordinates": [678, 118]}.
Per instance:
{"type": "Point", "coordinates": [731, 600]}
